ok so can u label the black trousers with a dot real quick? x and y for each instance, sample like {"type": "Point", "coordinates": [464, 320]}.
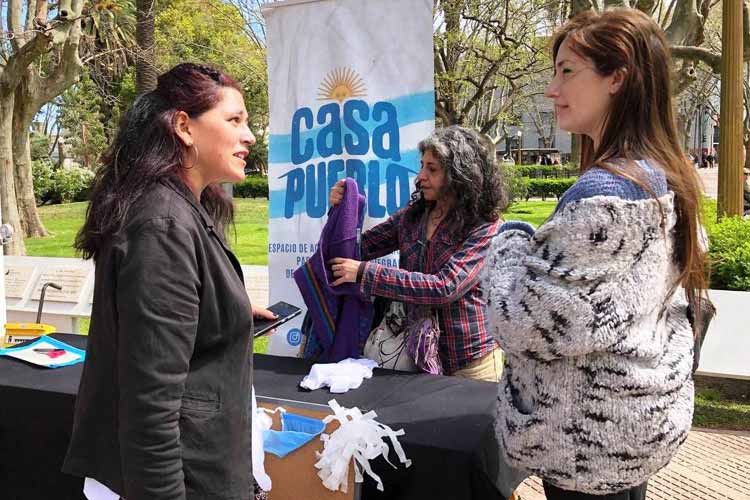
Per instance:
{"type": "Point", "coordinates": [554, 493]}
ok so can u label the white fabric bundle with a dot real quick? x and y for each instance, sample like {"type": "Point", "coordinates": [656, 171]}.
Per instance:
{"type": "Point", "coordinates": [261, 422]}
{"type": "Point", "coordinates": [340, 377]}
{"type": "Point", "coordinates": [358, 436]}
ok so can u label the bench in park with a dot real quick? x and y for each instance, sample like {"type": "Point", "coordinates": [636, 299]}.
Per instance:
{"type": "Point", "coordinates": [64, 309]}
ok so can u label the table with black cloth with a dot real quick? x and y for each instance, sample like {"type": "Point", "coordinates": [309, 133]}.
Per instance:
{"type": "Point", "coordinates": [448, 423]}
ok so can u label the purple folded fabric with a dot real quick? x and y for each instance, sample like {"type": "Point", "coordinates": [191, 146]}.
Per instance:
{"type": "Point", "coordinates": [340, 316]}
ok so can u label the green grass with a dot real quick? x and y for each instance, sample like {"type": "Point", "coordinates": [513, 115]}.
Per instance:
{"type": "Point", "coordinates": [249, 239]}
{"type": "Point", "coordinates": [533, 212]}
{"type": "Point", "coordinates": [260, 345]}
{"type": "Point", "coordinates": [714, 411]}
{"type": "Point", "coordinates": [62, 222]}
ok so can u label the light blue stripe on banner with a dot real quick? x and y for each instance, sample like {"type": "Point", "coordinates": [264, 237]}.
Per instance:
{"type": "Point", "coordinates": [410, 109]}
{"type": "Point", "coordinates": [277, 197]}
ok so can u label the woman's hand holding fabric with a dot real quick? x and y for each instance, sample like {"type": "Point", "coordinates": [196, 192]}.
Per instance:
{"type": "Point", "coordinates": [344, 270]}
{"type": "Point", "coordinates": [337, 193]}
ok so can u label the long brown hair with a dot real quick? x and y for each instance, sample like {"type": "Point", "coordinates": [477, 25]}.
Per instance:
{"type": "Point", "coordinates": [640, 123]}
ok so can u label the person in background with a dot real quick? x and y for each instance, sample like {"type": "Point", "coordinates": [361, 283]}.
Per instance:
{"type": "Point", "coordinates": [163, 408]}
{"type": "Point", "coordinates": [442, 236]}
{"type": "Point", "coordinates": [592, 308]}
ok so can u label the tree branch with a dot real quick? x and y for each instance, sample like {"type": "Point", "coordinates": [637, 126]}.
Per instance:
{"type": "Point", "coordinates": [702, 54]}
{"type": "Point", "coordinates": [686, 27]}
{"type": "Point", "coordinates": [105, 53]}
{"type": "Point", "coordinates": [442, 113]}
{"type": "Point", "coordinates": [492, 121]}
{"type": "Point", "coordinates": [14, 23]}
{"type": "Point", "coordinates": [646, 6]}
{"type": "Point", "coordinates": [18, 62]}
{"type": "Point", "coordinates": [481, 87]}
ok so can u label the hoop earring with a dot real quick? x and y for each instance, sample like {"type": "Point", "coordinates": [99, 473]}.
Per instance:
{"type": "Point", "coordinates": [190, 147]}
{"type": "Point", "coordinates": [116, 162]}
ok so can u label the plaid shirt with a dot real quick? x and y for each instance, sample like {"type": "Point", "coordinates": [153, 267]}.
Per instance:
{"type": "Point", "coordinates": [449, 284]}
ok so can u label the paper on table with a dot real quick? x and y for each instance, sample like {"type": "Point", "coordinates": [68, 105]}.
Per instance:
{"type": "Point", "coordinates": [94, 490]}
{"type": "Point", "coordinates": [47, 352]}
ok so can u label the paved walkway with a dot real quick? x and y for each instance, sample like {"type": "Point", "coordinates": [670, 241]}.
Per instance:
{"type": "Point", "coordinates": [711, 465]}
{"type": "Point", "coordinates": [710, 179]}
{"type": "Point", "coordinates": [256, 284]}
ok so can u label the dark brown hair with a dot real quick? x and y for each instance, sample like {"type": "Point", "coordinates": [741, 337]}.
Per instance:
{"type": "Point", "coordinates": [147, 149]}
{"type": "Point", "coordinates": [640, 123]}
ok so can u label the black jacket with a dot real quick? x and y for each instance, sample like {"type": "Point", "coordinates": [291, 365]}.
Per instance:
{"type": "Point", "coordinates": [163, 409]}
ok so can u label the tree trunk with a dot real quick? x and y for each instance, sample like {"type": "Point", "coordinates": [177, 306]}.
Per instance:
{"type": "Point", "coordinates": [145, 70]}
{"type": "Point", "coordinates": [449, 55]}
{"type": "Point", "coordinates": [731, 142]}
{"type": "Point", "coordinates": [31, 93]}
{"type": "Point", "coordinates": [23, 114]}
{"type": "Point", "coordinates": [8, 203]}
{"type": "Point", "coordinates": [684, 121]}
{"type": "Point", "coordinates": [62, 152]}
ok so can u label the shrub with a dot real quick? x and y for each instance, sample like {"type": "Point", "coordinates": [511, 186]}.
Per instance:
{"type": "Point", "coordinates": [547, 171]}
{"type": "Point", "coordinates": [729, 254]}
{"type": "Point", "coordinates": [252, 187]}
{"type": "Point", "coordinates": [60, 185]}
{"type": "Point", "coordinates": [542, 188]}
{"type": "Point", "coordinates": [40, 146]}
{"type": "Point", "coordinates": [516, 186]}
{"type": "Point", "coordinates": [73, 183]}
{"type": "Point", "coordinates": [42, 172]}
{"type": "Point", "coordinates": [537, 181]}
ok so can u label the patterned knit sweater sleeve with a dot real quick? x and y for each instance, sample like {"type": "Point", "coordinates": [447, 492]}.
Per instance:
{"type": "Point", "coordinates": [596, 394]}
{"type": "Point", "coordinates": [587, 249]}
{"type": "Point", "coordinates": [600, 182]}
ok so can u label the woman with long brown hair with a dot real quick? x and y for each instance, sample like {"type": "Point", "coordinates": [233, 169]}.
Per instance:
{"type": "Point", "coordinates": [591, 308]}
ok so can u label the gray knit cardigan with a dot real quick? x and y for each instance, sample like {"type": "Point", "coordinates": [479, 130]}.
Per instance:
{"type": "Point", "coordinates": [597, 393]}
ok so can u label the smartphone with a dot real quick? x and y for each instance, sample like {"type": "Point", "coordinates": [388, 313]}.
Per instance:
{"type": "Point", "coordinates": [284, 311]}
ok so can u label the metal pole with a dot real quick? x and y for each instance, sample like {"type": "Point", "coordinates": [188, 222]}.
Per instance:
{"type": "Point", "coordinates": [730, 118]}
{"type": "Point", "coordinates": [520, 139]}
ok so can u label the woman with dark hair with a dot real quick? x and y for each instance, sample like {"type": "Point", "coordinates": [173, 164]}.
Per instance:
{"type": "Point", "coordinates": [442, 237]}
{"type": "Point", "coordinates": [163, 408]}
{"type": "Point", "coordinates": [592, 309]}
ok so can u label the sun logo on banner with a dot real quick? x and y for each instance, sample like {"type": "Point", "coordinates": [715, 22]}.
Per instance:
{"type": "Point", "coordinates": [341, 84]}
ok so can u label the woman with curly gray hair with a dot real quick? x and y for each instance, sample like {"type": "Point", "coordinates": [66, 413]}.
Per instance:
{"type": "Point", "coordinates": [442, 237]}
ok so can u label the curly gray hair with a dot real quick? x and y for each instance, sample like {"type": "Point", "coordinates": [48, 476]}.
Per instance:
{"type": "Point", "coordinates": [472, 178]}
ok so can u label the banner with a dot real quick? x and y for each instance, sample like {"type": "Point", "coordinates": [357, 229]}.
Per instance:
{"type": "Point", "coordinates": [351, 93]}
